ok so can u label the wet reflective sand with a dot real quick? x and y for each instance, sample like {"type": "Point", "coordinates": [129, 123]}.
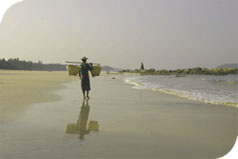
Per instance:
{"type": "Point", "coordinates": [80, 127]}
{"type": "Point", "coordinates": [131, 124]}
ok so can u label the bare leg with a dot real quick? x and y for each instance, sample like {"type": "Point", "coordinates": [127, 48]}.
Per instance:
{"type": "Point", "coordinates": [88, 94]}
{"type": "Point", "coordinates": [84, 94]}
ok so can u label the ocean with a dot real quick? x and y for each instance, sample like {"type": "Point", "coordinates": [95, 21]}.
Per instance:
{"type": "Point", "coordinates": [205, 88]}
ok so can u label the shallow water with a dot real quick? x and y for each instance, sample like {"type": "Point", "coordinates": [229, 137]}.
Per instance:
{"type": "Point", "coordinates": [205, 88]}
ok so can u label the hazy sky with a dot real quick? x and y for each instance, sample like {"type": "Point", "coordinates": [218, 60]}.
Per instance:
{"type": "Point", "coordinates": [122, 33]}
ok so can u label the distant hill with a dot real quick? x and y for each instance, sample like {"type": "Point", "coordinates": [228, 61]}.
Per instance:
{"type": "Point", "coordinates": [110, 69]}
{"type": "Point", "coordinates": [232, 65]}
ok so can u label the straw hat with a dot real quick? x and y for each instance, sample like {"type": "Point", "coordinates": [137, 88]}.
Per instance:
{"type": "Point", "coordinates": [84, 58]}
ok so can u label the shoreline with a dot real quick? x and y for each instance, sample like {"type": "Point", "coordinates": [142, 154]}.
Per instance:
{"type": "Point", "coordinates": [133, 123]}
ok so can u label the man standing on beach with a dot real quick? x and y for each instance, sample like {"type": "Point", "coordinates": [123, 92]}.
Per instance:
{"type": "Point", "coordinates": [84, 76]}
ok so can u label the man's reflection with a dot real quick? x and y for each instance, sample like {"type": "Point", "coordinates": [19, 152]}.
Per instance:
{"type": "Point", "coordinates": [81, 126]}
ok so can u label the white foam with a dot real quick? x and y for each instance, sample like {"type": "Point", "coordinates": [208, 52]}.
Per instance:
{"type": "Point", "coordinates": [189, 88]}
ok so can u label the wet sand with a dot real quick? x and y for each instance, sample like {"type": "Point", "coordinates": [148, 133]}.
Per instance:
{"type": "Point", "coordinates": [132, 124]}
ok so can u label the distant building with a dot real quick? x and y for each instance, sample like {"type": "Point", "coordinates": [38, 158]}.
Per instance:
{"type": "Point", "coordinates": [142, 66]}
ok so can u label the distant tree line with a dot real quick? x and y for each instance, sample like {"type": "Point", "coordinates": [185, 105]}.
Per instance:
{"type": "Point", "coordinates": [188, 71]}
{"type": "Point", "coordinates": [16, 64]}
{"type": "Point", "coordinates": [225, 69]}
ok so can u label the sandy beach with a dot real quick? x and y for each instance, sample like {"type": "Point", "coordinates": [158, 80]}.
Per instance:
{"type": "Point", "coordinates": [20, 89]}
{"type": "Point", "coordinates": [133, 123]}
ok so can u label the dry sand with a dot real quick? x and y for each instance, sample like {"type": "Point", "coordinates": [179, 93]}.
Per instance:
{"type": "Point", "coordinates": [132, 124]}
{"type": "Point", "coordinates": [19, 89]}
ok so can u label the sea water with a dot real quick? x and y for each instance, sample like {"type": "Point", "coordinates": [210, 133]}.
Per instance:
{"type": "Point", "coordinates": [205, 88]}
